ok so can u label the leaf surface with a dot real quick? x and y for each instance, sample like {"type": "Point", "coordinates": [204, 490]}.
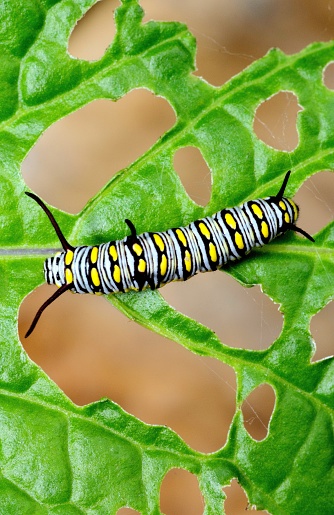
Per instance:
{"type": "Point", "coordinates": [98, 458]}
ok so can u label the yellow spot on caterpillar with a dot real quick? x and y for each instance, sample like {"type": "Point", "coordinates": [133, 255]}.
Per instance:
{"type": "Point", "coordinates": [95, 277]}
{"type": "Point", "coordinates": [213, 252]}
{"type": "Point", "coordinates": [137, 249]}
{"type": "Point", "coordinates": [159, 242]}
{"type": "Point", "coordinates": [230, 220]}
{"type": "Point", "coordinates": [282, 205]}
{"type": "Point", "coordinates": [98, 293]}
{"type": "Point", "coordinates": [295, 209]}
{"type": "Point", "coordinates": [286, 217]}
{"type": "Point", "coordinates": [265, 229]}
{"type": "Point", "coordinates": [68, 276]}
{"type": "Point", "coordinates": [117, 274]}
{"type": "Point", "coordinates": [257, 210]}
{"type": "Point", "coordinates": [94, 254]}
{"type": "Point", "coordinates": [113, 252]}
{"type": "Point", "coordinates": [163, 265]}
{"type": "Point", "coordinates": [68, 257]}
{"type": "Point", "coordinates": [204, 230]}
{"type": "Point", "coordinates": [142, 265]}
{"type": "Point", "coordinates": [181, 237]}
{"type": "Point", "coordinates": [239, 240]}
{"type": "Point", "coordinates": [187, 261]}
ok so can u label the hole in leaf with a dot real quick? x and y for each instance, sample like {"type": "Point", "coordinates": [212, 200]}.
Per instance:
{"type": "Point", "coordinates": [127, 511]}
{"type": "Point", "coordinates": [315, 200]}
{"type": "Point", "coordinates": [91, 350]}
{"type": "Point", "coordinates": [232, 35]}
{"type": "Point", "coordinates": [79, 154]}
{"type": "Point", "coordinates": [322, 330]}
{"type": "Point", "coordinates": [194, 174]}
{"type": "Point", "coordinates": [94, 32]}
{"type": "Point", "coordinates": [328, 76]}
{"type": "Point", "coordinates": [222, 48]}
{"type": "Point", "coordinates": [257, 410]}
{"type": "Point", "coordinates": [180, 494]}
{"type": "Point", "coordinates": [236, 502]}
{"type": "Point", "coordinates": [275, 121]}
{"type": "Point", "coordinates": [241, 317]}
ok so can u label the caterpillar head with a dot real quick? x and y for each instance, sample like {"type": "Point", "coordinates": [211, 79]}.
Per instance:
{"type": "Point", "coordinates": [290, 210]}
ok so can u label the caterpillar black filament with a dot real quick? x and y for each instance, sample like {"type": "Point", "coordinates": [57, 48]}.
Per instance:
{"type": "Point", "coordinates": [153, 259]}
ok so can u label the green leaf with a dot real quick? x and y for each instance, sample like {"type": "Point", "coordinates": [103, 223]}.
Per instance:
{"type": "Point", "coordinates": [98, 458]}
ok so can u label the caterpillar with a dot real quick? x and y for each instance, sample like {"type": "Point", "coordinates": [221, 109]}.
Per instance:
{"type": "Point", "coordinates": [153, 259]}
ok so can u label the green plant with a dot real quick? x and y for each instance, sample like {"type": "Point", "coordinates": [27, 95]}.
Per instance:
{"type": "Point", "coordinates": [98, 458]}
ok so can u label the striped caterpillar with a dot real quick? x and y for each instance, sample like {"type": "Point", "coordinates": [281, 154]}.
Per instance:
{"type": "Point", "coordinates": [153, 259]}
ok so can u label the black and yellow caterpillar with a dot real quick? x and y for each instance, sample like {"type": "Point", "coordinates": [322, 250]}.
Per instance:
{"type": "Point", "coordinates": [153, 259]}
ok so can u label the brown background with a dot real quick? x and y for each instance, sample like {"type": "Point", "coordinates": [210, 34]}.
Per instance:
{"type": "Point", "coordinates": [87, 347]}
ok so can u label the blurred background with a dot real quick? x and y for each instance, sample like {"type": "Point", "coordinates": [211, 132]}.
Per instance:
{"type": "Point", "coordinates": [85, 345]}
